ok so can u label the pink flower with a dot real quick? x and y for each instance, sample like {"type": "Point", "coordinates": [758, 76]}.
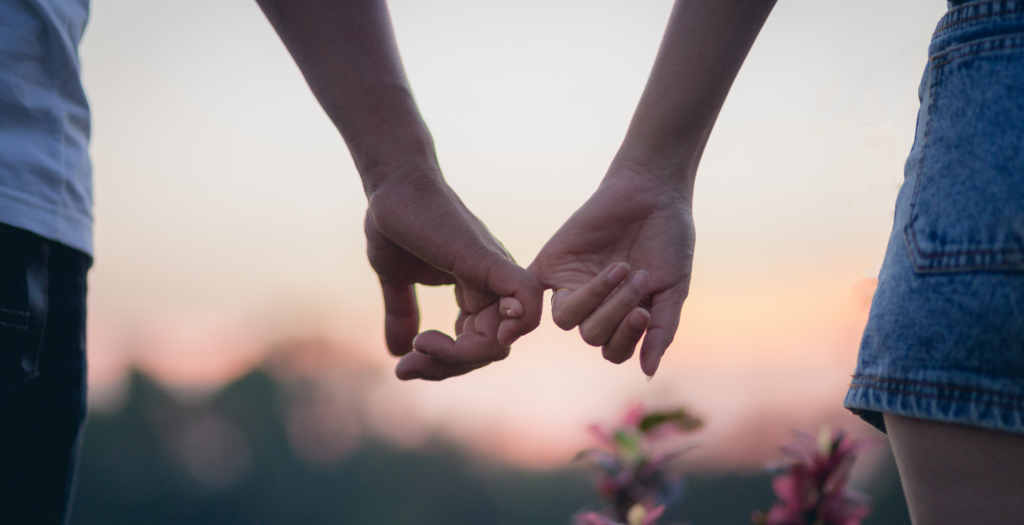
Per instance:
{"type": "Point", "coordinates": [633, 462]}
{"type": "Point", "coordinates": [813, 489]}
{"type": "Point", "coordinates": [634, 416]}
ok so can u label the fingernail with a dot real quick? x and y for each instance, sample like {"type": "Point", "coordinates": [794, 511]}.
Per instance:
{"type": "Point", "coordinates": [618, 273]}
{"type": "Point", "coordinates": [650, 377]}
{"type": "Point", "coordinates": [414, 341]}
{"type": "Point", "coordinates": [510, 313]}
{"type": "Point", "coordinates": [640, 280]}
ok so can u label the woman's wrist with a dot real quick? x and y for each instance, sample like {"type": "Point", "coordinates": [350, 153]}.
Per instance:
{"type": "Point", "coordinates": [671, 164]}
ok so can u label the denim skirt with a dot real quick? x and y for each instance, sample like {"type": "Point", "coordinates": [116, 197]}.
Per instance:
{"type": "Point", "coordinates": [945, 336]}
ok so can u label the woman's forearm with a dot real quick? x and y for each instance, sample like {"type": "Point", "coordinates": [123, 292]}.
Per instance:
{"type": "Point", "coordinates": [704, 46]}
{"type": "Point", "coordinates": [346, 50]}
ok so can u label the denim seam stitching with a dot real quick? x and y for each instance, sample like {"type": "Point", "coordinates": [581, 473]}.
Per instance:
{"type": "Point", "coordinates": [993, 403]}
{"type": "Point", "coordinates": [929, 111]}
{"type": "Point", "coordinates": [951, 20]}
{"type": "Point", "coordinates": [1004, 251]}
{"type": "Point", "coordinates": [973, 390]}
{"type": "Point", "coordinates": [975, 48]}
{"type": "Point", "coordinates": [903, 381]}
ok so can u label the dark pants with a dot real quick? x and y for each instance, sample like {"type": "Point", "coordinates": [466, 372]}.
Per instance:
{"type": "Point", "coordinates": [42, 375]}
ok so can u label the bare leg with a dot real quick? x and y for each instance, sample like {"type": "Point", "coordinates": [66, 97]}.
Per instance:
{"type": "Point", "coordinates": [954, 474]}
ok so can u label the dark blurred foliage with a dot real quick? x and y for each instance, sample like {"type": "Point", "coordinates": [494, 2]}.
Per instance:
{"type": "Point", "coordinates": [227, 460]}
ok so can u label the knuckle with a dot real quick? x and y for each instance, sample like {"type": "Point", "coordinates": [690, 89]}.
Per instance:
{"type": "Point", "coordinates": [502, 353]}
{"type": "Point", "coordinates": [598, 293]}
{"type": "Point", "coordinates": [562, 320]}
{"type": "Point", "coordinates": [633, 333]}
{"type": "Point", "coordinates": [634, 294]}
{"type": "Point", "coordinates": [614, 354]}
{"type": "Point", "coordinates": [592, 336]}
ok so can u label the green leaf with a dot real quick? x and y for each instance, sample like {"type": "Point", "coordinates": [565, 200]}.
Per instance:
{"type": "Point", "coordinates": [680, 418]}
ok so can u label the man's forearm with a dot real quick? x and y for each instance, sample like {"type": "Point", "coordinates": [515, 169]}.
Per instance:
{"type": "Point", "coordinates": [346, 50]}
{"type": "Point", "coordinates": [704, 46]}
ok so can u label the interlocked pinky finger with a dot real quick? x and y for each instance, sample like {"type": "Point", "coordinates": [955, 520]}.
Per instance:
{"type": "Point", "coordinates": [510, 307]}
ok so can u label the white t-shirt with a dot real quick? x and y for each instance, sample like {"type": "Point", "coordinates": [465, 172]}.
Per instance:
{"type": "Point", "coordinates": [45, 172]}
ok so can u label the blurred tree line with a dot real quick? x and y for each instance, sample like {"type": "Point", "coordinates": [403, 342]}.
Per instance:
{"type": "Point", "coordinates": [227, 460]}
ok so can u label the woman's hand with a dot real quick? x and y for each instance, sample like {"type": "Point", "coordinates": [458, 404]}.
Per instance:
{"type": "Point", "coordinates": [641, 213]}
{"type": "Point", "coordinates": [621, 266]}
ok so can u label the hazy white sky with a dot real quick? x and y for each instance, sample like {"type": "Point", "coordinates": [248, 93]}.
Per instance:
{"type": "Point", "coordinates": [228, 208]}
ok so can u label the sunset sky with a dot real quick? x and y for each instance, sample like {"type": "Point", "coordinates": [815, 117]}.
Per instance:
{"type": "Point", "coordinates": [228, 211]}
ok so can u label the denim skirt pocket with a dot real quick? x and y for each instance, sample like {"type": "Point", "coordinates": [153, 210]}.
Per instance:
{"type": "Point", "coordinates": [966, 212]}
{"type": "Point", "coordinates": [23, 306]}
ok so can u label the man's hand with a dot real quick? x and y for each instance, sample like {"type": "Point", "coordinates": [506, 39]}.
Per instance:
{"type": "Point", "coordinates": [418, 231]}
{"type": "Point", "coordinates": [633, 221]}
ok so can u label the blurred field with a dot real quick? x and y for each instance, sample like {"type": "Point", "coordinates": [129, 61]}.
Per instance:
{"type": "Point", "coordinates": [248, 455]}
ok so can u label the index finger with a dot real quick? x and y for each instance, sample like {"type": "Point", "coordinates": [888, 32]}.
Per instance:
{"type": "Point", "coordinates": [476, 346]}
{"type": "Point", "coordinates": [401, 317]}
{"type": "Point", "coordinates": [416, 365]}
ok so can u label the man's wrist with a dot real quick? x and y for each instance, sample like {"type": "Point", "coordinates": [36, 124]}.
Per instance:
{"type": "Point", "coordinates": [384, 130]}
{"type": "Point", "coordinates": [382, 160]}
